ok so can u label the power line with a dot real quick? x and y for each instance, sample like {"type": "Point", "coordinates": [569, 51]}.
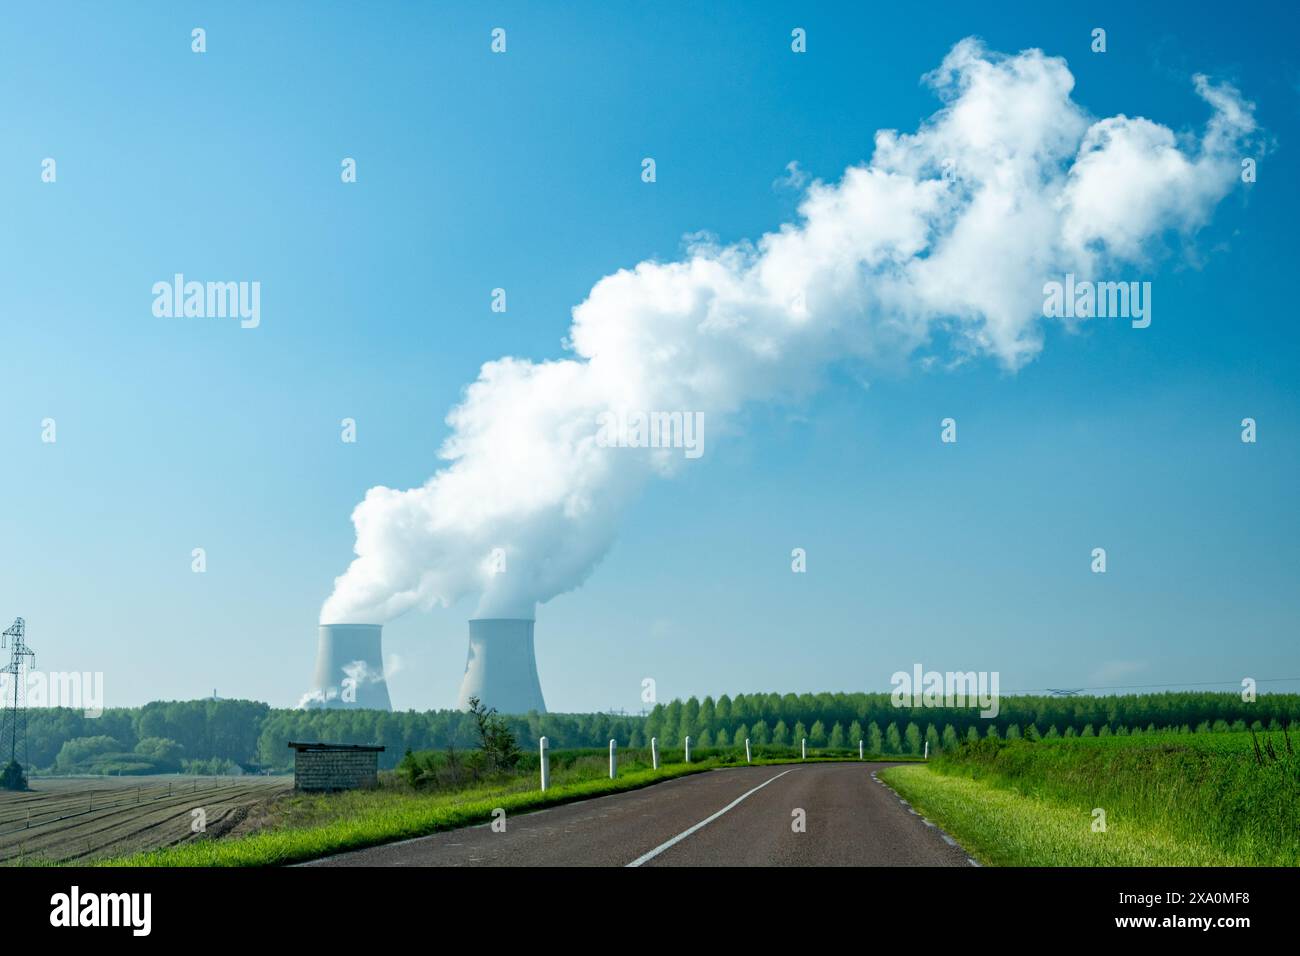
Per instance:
{"type": "Point", "coordinates": [1204, 683]}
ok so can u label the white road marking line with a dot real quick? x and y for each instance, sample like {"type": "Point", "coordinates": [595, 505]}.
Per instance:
{"type": "Point", "coordinates": [647, 857]}
{"type": "Point", "coordinates": [948, 840]}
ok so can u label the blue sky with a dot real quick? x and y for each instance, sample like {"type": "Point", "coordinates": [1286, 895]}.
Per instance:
{"type": "Point", "coordinates": [523, 171]}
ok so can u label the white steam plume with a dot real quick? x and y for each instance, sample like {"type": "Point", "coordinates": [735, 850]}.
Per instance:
{"type": "Point", "coordinates": [948, 233]}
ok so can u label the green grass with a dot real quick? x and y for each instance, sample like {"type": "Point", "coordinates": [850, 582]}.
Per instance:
{"type": "Point", "coordinates": [1169, 800]}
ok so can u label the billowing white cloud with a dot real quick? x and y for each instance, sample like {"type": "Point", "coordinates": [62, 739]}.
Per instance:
{"type": "Point", "coordinates": [1131, 180]}
{"type": "Point", "coordinates": [943, 240]}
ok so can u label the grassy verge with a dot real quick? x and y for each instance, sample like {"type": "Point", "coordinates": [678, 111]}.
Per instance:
{"type": "Point", "coordinates": [1168, 801]}
{"type": "Point", "coordinates": [1001, 827]}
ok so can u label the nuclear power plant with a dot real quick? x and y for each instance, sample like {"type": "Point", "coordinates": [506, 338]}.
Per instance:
{"type": "Point", "coordinates": [349, 668]}
{"type": "Point", "coordinates": [501, 668]}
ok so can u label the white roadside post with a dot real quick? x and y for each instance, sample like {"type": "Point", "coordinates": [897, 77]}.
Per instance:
{"type": "Point", "coordinates": [860, 755]}
{"type": "Point", "coordinates": [688, 749]}
{"type": "Point", "coordinates": [746, 750]}
{"type": "Point", "coordinates": [803, 746]}
{"type": "Point", "coordinates": [544, 747]}
{"type": "Point", "coordinates": [654, 752]}
{"type": "Point", "coordinates": [927, 750]}
{"type": "Point", "coordinates": [613, 760]}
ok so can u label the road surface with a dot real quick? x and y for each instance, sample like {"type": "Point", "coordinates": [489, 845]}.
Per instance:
{"type": "Point", "coordinates": [737, 817]}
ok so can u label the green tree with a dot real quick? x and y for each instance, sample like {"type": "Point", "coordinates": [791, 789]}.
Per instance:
{"type": "Point", "coordinates": [912, 738]}
{"type": "Point", "coordinates": [781, 735]}
{"type": "Point", "coordinates": [708, 715]}
{"type": "Point", "coordinates": [836, 741]}
{"type": "Point", "coordinates": [669, 733]}
{"type": "Point", "coordinates": [741, 733]}
{"type": "Point", "coordinates": [654, 723]}
{"type": "Point", "coordinates": [818, 735]}
{"type": "Point", "coordinates": [690, 720]}
{"type": "Point", "coordinates": [855, 733]}
{"type": "Point", "coordinates": [82, 750]}
{"type": "Point", "coordinates": [932, 738]}
{"type": "Point", "coordinates": [758, 733]}
{"type": "Point", "coordinates": [800, 732]}
{"type": "Point", "coordinates": [875, 740]}
{"type": "Point", "coordinates": [722, 710]}
{"type": "Point", "coordinates": [893, 740]}
{"type": "Point", "coordinates": [949, 737]}
{"type": "Point", "coordinates": [12, 777]}
{"type": "Point", "coordinates": [740, 707]}
{"type": "Point", "coordinates": [496, 740]}
{"type": "Point", "coordinates": [165, 751]}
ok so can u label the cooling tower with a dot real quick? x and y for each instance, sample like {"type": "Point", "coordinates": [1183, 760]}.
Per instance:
{"type": "Point", "coordinates": [350, 668]}
{"type": "Point", "coordinates": [501, 670]}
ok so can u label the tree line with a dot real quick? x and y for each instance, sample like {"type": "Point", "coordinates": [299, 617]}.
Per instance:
{"type": "Point", "coordinates": [211, 736]}
{"type": "Point", "coordinates": [787, 718]}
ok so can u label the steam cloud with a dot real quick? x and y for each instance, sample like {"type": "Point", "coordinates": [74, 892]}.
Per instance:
{"type": "Point", "coordinates": [937, 248]}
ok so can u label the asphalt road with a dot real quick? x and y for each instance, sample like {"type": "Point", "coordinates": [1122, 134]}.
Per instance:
{"type": "Point", "coordinates": [736, 817]}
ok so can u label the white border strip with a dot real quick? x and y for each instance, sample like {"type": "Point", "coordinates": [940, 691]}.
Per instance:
{"type": "Point", "coordinates": [647, 857]}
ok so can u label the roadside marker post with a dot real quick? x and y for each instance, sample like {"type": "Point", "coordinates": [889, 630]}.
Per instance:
{"type": "Point", "coordinates": [613, 760]}
{"type": "Point", "coordinates": [654, 752]}
{"type": "Point", "coordinates": [544, 748]}
{"type": "Point", "coordinates": [860, 756]}
{"type": "Point", "coordinates": [803, 748]}
{"type": "Point", "coordinates": [746, 750]}
{"type": "Point", "coordinates": [927, 750]}
{"type": "Point", "coordinates": [688, 749]}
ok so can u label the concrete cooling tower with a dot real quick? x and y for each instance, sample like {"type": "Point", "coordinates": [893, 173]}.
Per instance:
{"type": "Point", "coordinates": [501, 670]}
{"type": "Point", "coordinates": [350, 668]}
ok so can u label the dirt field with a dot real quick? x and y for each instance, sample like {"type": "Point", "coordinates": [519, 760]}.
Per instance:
{"type": "Point", "coordinates": [81, 819]}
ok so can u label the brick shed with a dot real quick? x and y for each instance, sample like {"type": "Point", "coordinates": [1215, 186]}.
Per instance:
{"type": "Point", "coordinates": [318, 766]}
